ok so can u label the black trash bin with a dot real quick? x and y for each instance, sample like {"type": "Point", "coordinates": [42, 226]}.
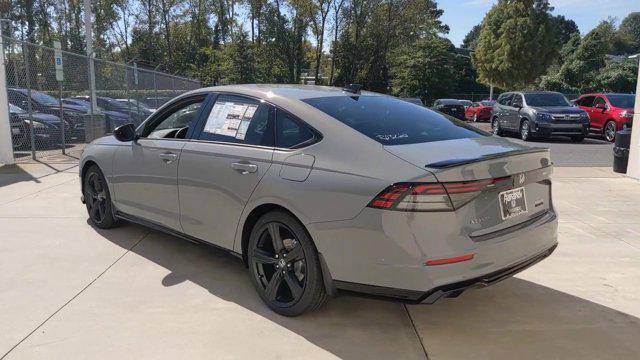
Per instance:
{"type": "Point", "coordinates": [621, 150]}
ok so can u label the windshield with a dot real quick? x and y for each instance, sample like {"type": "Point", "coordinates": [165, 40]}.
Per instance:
{"type": "Point", "coordinates": [546, 99]}
{"type": "Point", "coordinates": [15, 110]}
{"type": "Point", "coordinates": [44, 99]}
{"type": "Point", "coordinates": [391, 121]}
{"type": "Point", "coordinates": [622, 101]}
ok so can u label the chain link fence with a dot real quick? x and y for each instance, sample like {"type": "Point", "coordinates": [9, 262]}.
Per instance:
{"type": "Point", "coordinates": [50, 117]}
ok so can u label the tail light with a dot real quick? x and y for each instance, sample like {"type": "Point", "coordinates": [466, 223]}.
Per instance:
{"type": "Point", "coordinates": [433, 196]}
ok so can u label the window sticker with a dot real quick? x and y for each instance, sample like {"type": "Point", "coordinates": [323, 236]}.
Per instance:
{"type": "Point", "coordinates": [230, 119]}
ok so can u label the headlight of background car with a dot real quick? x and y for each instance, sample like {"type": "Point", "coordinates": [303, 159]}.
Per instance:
{"type": "Point", "coordinates": [626, 114]}
{"type": "Point", "coordinates": [36, 125]}
{"type": "Point", "coordinates": [544, 117]}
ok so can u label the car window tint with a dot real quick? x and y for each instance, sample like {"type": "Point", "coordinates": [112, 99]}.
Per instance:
{"type": "Point", "coordinates": [290, 132]}
{"type": "Point", "coordinates": [517, 99]}
{"type": "Point", "coordinates": [178, 118]}
{"type": "Point", "coordinates": [240, 120]}
{"type": "Point", "coordinates": [622, 101]}
{"type": "Point", "coordinates": [391, 121]}
{"type": "Point", "coordinates": [599, 101]}
{"type": "Point", "coordinates": [505, 99]}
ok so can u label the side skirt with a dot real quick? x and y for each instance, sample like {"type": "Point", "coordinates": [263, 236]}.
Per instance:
{"type": "Point", "coordinates": [166, 230]}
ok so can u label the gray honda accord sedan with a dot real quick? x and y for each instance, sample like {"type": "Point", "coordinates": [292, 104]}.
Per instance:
{"type": "Point", "coordinates": [321, 190]}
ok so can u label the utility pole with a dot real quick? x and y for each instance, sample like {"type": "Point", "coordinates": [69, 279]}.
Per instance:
{"type": "Point", "coordinates": [88, 36]}
{"type": "Point", "coordinates": [6, 143]}
{"type": "Point", "coordinates": [633, 168]}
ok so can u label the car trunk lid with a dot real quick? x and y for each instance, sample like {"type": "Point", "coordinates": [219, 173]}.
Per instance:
{"type": "Point", "coordinates": [515, 184]}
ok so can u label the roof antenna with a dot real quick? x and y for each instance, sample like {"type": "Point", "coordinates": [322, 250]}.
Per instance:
{"type": "Point", "coordinates": [352, 88]}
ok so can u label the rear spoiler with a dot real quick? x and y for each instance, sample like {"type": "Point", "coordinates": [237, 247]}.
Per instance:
{"type": "Point", "coordinates": [463, 161]}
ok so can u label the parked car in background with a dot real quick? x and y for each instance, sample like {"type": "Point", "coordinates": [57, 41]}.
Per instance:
{"type": "Point", "coordinates": [538, 114]}
{"type": "Point", "coordinates": [608, 112]}
{"type": "Point", "coordinates": [113, 119]}
{"type": "Point", "coordinates": [45, 127]}
{"type": "Point", "coordinates": [46, 104]}
{"type": "Point", "coordinates": [18, 129]}
{"type": "Point", "coordinates": [479, 111]}
{"type": "Point", "coordinates": [451, 107]}
{"type": "Point", "coordinates": [135, 103]}
{"type": "Point", "coordinates": [466, 103]}
{"type": "Point", "coordinates": [322, 189]}
{"type": "Point", "coordinates": [110, 104]}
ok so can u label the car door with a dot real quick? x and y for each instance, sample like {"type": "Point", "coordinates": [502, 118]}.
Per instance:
{"type": "Point", "coordinates": [471, 110]}
{"type": "Point", "coordinates": [230, 152]}
{"type": "Point", "coordinates": [145, 180]}
{"type": "Point", "coordinates": [598, 116]}
{"type": "Point", "coordinates": [504, 109]}
{"type": "Point", "coordinates": [517, 102]}
{"type": "Point", "coordinates": [585, 103]}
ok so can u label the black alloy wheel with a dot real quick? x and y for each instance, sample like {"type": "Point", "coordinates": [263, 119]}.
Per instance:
{"type": "Point", "coordinates": [284, 265]}
{"type": "Point", "coordinates": [98, 199]}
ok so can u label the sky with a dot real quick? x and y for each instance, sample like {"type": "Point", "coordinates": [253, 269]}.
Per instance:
{"type": "Point", "coordinates": [462, 15]}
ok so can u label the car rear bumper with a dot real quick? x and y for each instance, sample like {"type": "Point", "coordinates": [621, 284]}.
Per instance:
{"type": "Point", "coordinates": [448, 290]}
{"type": "Point", "coordinates": [384, 253]}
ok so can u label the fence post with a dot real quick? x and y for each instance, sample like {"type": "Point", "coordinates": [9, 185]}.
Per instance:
{"type": "Point", "coordinates": [6, 143]}
{"type": "Point", "coordinates": [155, 89]}
{"type": "Point", "coordinates": [62, 122]}
{"type": "Point", "coordinates": [27, 71]}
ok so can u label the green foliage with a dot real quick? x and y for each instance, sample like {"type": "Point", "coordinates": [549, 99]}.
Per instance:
{"type": "Point", "coordinates": [238, 60]}
{"type": "Point", "coordinates": [470, 40]}
{"type": "Point", "coordinates": [424, 68]}
{"type": "Point", "coordinates": [630, 32]}
{"type": "Point", "coordinates": [516, 43]}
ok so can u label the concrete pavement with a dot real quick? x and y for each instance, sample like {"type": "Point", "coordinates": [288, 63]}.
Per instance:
{"type": "Point", "coordinates": [72, 291]}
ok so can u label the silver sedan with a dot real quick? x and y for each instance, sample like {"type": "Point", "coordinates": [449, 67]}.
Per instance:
{"type": "Point", "coordinates": [323, 190]}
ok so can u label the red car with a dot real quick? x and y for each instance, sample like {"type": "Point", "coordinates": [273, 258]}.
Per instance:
{"type": "Point", "coordinates": [479, 111]}
{"type": "Point", "coordinates": [608, 113]}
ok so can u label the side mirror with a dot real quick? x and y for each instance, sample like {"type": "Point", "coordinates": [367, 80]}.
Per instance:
{"type": "Point", "coordinates": [124, 133]}
{"type": "Point", "coordinates": [517, 105]}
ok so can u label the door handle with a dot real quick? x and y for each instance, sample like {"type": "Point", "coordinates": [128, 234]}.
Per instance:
{"type": "Point", "coordinates": [244, 168]}
{"type": "Point", "coordinates": [168, 157]}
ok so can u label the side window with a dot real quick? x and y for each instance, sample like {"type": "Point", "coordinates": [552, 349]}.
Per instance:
{"type": "Point", "coordinates": [599, 101]}
{"type": "Point", "coordinates": [175, 122]}
{"type": "Point", "coordinates": [241, 120]}
{"type": "Point", "coordinates": [517, 100]}
{"type": "Point", "coordinates": [290, 132]}
{"type": "Point", "coordinates": [586, 101]}
{"type": "Point", "coordinates": [505, 99]}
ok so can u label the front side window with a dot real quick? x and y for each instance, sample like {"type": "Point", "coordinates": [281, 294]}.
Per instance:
{"type": "Point", "coordinates": [236, 119]}
{"type": "Point", "coordinates": [599, 101]}
{"type": "Point", "coordinates": [390, 121]}
{"type": "Point", "coordinates": [505, 99]}
{"type": "Point", "coordinates": [517, 100]}
{"type": "Point", "coordinates": [175, 122]}
{"type": "Point", "coordinates": [586, 101]}
{"type": "Point", "coordinates": [546, 99]}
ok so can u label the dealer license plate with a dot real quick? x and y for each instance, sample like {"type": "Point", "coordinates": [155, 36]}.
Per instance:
{"type": "Point", "coordinates": [512, 203]}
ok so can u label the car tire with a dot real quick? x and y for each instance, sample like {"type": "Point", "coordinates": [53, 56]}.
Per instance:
{"type": "Point", "coordinates": [577, 139]}
{"type": "Point", "coordinates": [525, 130]}
{"type": "Point", "coordinates": [97, 199]}
{"type": "Point", "coordinates": [495, 127]}
{"type": "Point", "coordinates": [285, 265]}
{"type": "Point", "coordinates": [610, 131]}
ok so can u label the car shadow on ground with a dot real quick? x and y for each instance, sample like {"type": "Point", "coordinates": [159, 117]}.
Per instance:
{"type": "Point", "coordinates": [353, 327]}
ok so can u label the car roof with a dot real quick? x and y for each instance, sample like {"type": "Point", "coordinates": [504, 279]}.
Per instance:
{"type": "Point", "coordinates": [290, 91]}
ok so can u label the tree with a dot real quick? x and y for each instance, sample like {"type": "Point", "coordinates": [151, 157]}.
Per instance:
{"type": "Point", "coordinates": [563, 29]}
{"type": "Point", "coordinates": [516, 44]}
{"type": "Point", "coordinates": [470, 40]}
{"type": "Point", "coordinates": [630, 31]}
{"type": "Point", "coordinates": [319, 12]}
{"type": "Point", "coordinates": [238, 63]}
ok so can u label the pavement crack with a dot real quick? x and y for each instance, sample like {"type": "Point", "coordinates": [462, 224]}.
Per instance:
{"type": "Point", "coordinates": [415, 331]}
{"type": "Point", "coordinates": [75, 296]}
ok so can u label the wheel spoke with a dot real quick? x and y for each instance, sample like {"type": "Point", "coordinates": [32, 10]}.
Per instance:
{"type": "Point", "coordinates": [296, 253]}
{"type": "Point", "coordinates": [276, 238]}
{"type": "Point", "coordinates": [263, 257]}
{"type": "Point", "coordinates": [102, 209]}
{"type": "Point", "coordinates": [94, 211]}
{"type": "Point", "coordinates": [294, 286]}
{"type": "Point", "coordinates": [96, 184]}
{"type": "Point", "coordinates": [274, 284]}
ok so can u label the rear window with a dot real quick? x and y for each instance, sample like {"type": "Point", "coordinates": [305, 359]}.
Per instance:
{"type": "Point", "coordinates": [391, 121]}
{"type": "Point", "coordinates": [622, 101]}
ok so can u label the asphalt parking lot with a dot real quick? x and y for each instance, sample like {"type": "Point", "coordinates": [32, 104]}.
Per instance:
{"type": "Point", "coordinates": [593, 151]}
{"type": "Point", "coordinates": [70, 290]}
